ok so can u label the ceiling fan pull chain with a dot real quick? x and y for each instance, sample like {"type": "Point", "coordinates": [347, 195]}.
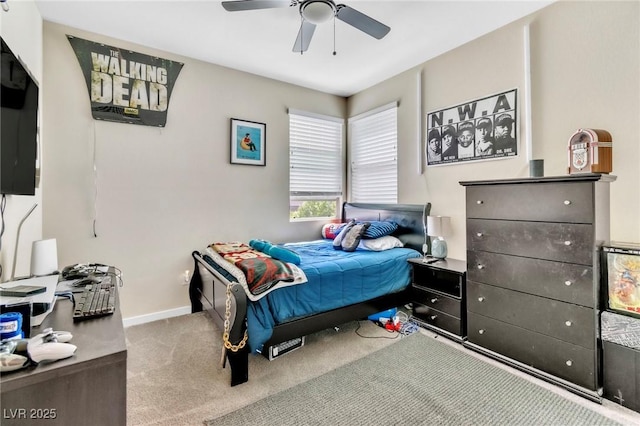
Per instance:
{"type": "Point", "coordinates": [301, 33]}
{"type": "Point", "coordinates": [334, 35]}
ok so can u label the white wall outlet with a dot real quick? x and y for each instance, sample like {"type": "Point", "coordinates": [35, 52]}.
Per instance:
{"type": "Point", "coordinates": [187, 277]}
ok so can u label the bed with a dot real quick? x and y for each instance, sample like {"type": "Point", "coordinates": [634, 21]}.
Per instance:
{"type": "Point", "coordinates": [339, 287]}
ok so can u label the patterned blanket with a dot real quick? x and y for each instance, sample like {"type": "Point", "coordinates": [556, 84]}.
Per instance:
{"type": "Point", "coordinates": [262, 272]}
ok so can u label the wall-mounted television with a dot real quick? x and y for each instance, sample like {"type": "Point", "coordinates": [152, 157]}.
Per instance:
{"type": "Point", "coordinates": [18, 126]}
{"type": "Point", "coordinates": [621, 273]}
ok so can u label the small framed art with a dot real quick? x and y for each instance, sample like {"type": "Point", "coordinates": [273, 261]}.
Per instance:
{"type": "Point", "coordinates": [248, 142]}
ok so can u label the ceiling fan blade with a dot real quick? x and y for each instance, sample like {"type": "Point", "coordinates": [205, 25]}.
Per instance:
{"type": "Point", "coordinates": [239, 5]}
{"type": "Point", "coordinates": [361, 21]}
{"type": "Point", "coordinates": [304, 36]}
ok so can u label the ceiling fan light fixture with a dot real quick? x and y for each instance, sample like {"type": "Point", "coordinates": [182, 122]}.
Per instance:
{"type": "Point", "coordinates": [318, 11]}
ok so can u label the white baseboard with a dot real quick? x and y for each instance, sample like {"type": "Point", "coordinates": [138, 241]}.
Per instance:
{"type": "Point", "coordinates": [142, 319]}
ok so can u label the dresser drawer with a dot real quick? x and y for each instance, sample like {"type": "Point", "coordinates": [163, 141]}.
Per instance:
{"type": "Point", "coordinates": [442, 280]}
{"type": "Point", "coordinates": [571, 323]}
{"type": "Point", "coordinates": [438, 301]}
{"type": "Point", "coordinates": [438, 319]}
{"type": "Point", "coordinates": [563, 242]}
{"type": "Point", "coordinates": [545, 202]}
{"type": "Point", "coordinates": [570, 362]}
{"type": "Point", "coordinates": [562, 281]}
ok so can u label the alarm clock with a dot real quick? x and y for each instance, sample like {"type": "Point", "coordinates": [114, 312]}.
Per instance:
{"type": "Point", "coordinates": [589, 151]}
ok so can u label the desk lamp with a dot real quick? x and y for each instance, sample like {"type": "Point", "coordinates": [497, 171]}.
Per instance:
{"type": "Point", "coordinates": [438, 227]}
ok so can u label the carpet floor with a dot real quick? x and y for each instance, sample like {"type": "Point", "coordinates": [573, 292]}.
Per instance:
{"type": "Point", "coordinates": [174, 375]}
{"type": "Point", "coordinates": [174, 378]}
{"type": "Point", "coordinates": [419, 380]}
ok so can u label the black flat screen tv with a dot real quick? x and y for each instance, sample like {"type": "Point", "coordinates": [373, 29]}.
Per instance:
{"type": "Point", "coordinates": [18, 125]}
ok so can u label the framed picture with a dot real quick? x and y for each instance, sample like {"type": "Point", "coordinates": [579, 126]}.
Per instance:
{"type": "Point", "coordinates": [248, 142]}
{"type": "Point", "coordinates": [477, 130]}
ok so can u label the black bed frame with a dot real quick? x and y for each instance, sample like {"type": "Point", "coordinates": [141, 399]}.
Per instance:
{"type": "Point", "coordinates": [207, 290]}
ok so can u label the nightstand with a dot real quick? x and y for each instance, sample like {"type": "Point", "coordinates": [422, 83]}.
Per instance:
{"type": "Point", "coordinates": [438, 296]}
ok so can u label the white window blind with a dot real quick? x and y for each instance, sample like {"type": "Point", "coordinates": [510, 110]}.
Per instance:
{"type": "Point", "coordinates": [373, 156]}
{"type": "Point", "coordinates": [315, 157]}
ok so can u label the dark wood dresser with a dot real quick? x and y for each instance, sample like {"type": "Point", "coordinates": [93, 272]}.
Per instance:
{"type": "Point", "coordinates": [533, 275]}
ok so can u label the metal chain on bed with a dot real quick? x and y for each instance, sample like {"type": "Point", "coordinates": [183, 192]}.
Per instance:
{"type": "Point", "coordinates": [225, 335]}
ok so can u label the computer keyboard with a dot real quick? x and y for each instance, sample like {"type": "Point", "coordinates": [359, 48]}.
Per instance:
{"type": "Point", "coordinates": [96, 300]}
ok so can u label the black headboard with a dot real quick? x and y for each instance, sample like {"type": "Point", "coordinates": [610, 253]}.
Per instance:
{"type": "Point", "coordinates": [409, 217]}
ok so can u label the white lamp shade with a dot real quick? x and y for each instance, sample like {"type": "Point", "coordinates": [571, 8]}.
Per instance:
{"type": "Point", "coordinates": [438, 226]}
{"type": "Point", "coordinates": [44, 257]}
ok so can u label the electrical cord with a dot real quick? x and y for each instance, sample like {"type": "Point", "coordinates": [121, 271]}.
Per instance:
{"type": "Point", "coordinates": [409, 326]}
{"type": "Point", "coordinates": [66, 294]}
{"type": "Point", "coordinates": [377, 337]}
{"type": "Point", "coordinates": [118, 275]}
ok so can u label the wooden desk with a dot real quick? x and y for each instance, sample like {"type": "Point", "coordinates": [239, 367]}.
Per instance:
{"type": "Point", "coordinates": [90, 388]}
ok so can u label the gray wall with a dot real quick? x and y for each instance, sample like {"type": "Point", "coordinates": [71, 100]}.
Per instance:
{"type": "Point", "coordinates": [582, 76]}
{"type": "Point", "coordinates": [159, 194]}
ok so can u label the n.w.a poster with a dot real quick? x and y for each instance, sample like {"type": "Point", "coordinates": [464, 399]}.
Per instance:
{"type": "Point", "coordinates": [481, 129]}
{"type": "Point", "coordinates": [126, 86]}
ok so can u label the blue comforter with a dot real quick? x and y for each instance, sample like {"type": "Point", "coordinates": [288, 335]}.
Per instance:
{"type": "Point", "coordinates": [335, 279]}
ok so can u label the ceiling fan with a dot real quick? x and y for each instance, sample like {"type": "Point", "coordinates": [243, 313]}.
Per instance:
{"type": "Point", "coordinates": [314, 12]}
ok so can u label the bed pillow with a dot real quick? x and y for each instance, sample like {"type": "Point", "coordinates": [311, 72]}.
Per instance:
{"type": "Point", "coordinates": [353, 236]}
{"type": "Point", "coordinates": [379, 228]}
{"type": "Point", "coordinates": [284, 254]}
{"type": "Point", "coordinates": [379, 244]}
{"type": "Point", "coordinates": [277, 252]}
{"type": "Point", "coordinates": [331, 230]}
{"type": "Point", "coordinates": [337, 241]}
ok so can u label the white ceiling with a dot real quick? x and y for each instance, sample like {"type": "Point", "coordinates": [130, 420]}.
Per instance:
{"type": "Point", "coordinates": [261, 41]}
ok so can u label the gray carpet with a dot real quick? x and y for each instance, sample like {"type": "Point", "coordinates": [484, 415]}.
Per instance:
{"type": "Point", "coordinates": [418, 380]}
{"type": "Point", "coordinates": [174, 376]}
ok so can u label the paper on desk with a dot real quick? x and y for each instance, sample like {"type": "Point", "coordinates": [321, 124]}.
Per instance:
{"type": "Point", "coordinates": [68, 285]}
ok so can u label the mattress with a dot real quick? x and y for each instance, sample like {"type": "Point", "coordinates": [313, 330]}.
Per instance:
{"type": "Point", "coordinates": [335, 279]}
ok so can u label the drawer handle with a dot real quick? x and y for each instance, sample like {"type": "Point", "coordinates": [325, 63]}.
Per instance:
{"type": "Point", "coordinates": [481, 331]}
{"type": "Point", "coordinates": [481, 299]}
{"type": "Point", "coordinates": [567, 283]}
{"type": "Point", "coordinates": [434, 300]}
{"type": "Point", "coordinates": [433, 317]}
{"type": "Point", "coordinates": [479, 202]}
{"type": "Point", "coordinates": [479, 234]}
{"type": "Point", "coordinates": [569, 363]}
{"type": "Point", "coordinates": [480, 266]}
{"type": "Point", "coordinates": [568, 323]}
{"type": "Point", "coordinates": [567, 243]}
{"type": "Point", "coordinates": [567, 202]}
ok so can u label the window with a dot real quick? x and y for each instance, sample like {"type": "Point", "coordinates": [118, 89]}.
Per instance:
{"type": "Point", "coordinates": [373, 141]}
{"type": "Point", "coordinates": [315, 161]}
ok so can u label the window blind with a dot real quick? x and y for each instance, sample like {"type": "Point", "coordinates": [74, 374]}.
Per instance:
{"type": "Point", "coordinates": [373, 156]}
{"type": "Point", "coordinates": [315, 157]}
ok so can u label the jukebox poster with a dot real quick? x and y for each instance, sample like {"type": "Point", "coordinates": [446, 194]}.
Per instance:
{"type": "Point", "coordinates": [126, 86]}
{"type": "Point", "coordinates": [481, 129]}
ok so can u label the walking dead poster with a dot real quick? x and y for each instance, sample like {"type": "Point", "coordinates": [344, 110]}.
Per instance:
{"type": "Point", "coordinates": [126, 86]}
{"type": "Point", "coordinates": [482, 129]}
